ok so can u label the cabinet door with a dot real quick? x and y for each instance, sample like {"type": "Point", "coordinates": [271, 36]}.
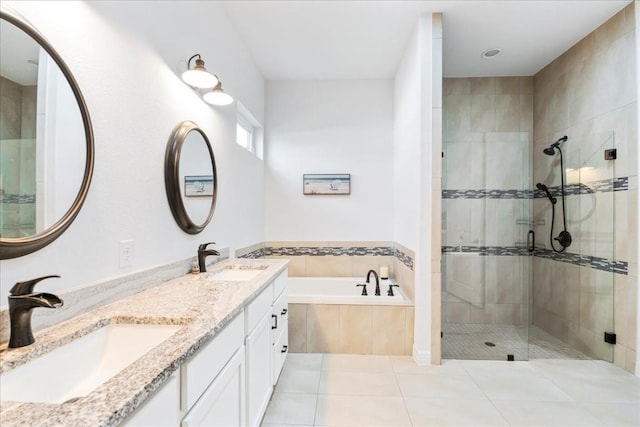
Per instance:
{"type": "Point", "coordinates": [258, 370]}
{"type": "Point", "coordinates": [222, 403]}
{"type": "Point", "coordinates": [280, 350]}
{"type": "Point", "coordinates": [160, 410]}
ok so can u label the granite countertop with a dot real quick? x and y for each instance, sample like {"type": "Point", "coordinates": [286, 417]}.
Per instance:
{"type": "Point", "coordinates": [203, 306]}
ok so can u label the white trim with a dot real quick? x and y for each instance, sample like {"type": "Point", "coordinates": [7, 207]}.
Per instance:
{"type": "Point", "coordinates": [421, 357]}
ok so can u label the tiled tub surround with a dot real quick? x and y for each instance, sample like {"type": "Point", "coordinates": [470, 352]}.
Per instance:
{"type": "Point", "coordinates": [203, 306]}
{"type": "Point", "coordinates": [340, 259]}
{"type": "Point", "coordinates": [351, 329]}
{"type": "Point", "coordinates": [329, 315]}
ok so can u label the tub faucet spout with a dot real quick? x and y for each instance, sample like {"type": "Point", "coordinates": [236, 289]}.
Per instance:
{"type": "Point", "coordinates": [203, 253]}
{"type": "Point", "coordinates": [22, 301]}
{"type": "Point", "coordinates": [377, 280]}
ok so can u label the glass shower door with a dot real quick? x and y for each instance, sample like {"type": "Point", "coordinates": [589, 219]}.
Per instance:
{"type": "Point", "coordinates": [486, 264]}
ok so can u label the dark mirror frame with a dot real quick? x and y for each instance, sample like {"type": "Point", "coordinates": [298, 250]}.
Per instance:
{"type": "Point", "coordinates": [172, 177]}
{"type": "Point", "coordinates": [17, 247]}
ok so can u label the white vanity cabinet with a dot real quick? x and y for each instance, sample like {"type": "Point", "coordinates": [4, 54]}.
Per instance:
{"type": "Point", "coordinates": [264, 326]}
{"type": "Point", "coordinates": [213, 382]}
{"type": "Point", "coordinates": [280, 328]}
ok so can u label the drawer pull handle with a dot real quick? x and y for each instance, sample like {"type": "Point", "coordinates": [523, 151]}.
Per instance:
{"type": "Point", "coordinates": [284, 349]}
{"type": "Point", "coordinates": [284, 311]}
{"type": "Point", "coordinates": [276, 319]}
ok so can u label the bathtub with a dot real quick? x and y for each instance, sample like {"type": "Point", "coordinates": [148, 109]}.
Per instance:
{"type": "Point", "coordinates": [329, 315]}
{"type": "Point", "coordinates": [341, 290]}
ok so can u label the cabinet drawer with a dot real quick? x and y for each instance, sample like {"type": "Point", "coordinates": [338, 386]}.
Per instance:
{"type": "Point", "coordinates": [280, 350]}
{"type": "Point", "coordinates": [197, 374]}
{"type": "Point", "coordinates": [257, 308]}
{"type": "Point", "coordinates": [281, 313]}
{"type": "Point", "coordinates": [280, 284]}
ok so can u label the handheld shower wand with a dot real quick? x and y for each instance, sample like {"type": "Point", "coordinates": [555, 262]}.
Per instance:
{"type": "Point", "coordinates": [564, 237]}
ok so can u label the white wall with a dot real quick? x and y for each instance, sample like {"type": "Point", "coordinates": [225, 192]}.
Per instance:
{"type": "Point", "coordinates": [417, 179]}
{"type": "Point", "coordinates": [126, 57]}
{"type": "Point", "coordinates": [343, 126]}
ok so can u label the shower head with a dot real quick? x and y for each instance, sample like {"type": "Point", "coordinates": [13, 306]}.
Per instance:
{"type": "Point", "coordinates": [546, 191]}
{"type": "Point", "coordinates": [551, 150]}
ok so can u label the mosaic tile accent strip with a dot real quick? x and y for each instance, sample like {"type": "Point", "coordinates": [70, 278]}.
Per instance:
{"type": "Point", "coordinates": [603, 186]}
{"type": "Point", "coordinates": [603, 264]}
{"type": "Point", "coordinates": [330, 251]}
{"type": "Point", "coordinates": [333, 251]}
{"type": "Point", "coordinates": [403, 258]}
{"type": "Point", "coordinates": [19, 198]}
{"type": "Point", "coordinates": [487, 194]}
{"type": "Point", "coordinates": [259, 253]}
{"type": "Point", "coordinates": [487, 250]}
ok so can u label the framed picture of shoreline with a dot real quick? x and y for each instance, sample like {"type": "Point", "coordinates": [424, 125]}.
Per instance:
{"type": "Point", "coordinates": [324, 184]}
{"type": "Point", "coordinates": [198, 185]}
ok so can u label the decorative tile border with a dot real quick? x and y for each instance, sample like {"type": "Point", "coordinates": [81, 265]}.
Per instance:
{"type": "Point", "coordinates": [487, 194]}
{"type": "Point", "coordinates": [259, 253]}
{"type": "Point", "coordinates": [332, 251]}
{"type": "Point", "coordinates": [18, 198]}
{"type": "Point", "coordinates": [603, 264]}
{"type": "Point", "coordinates": [487, 250]}
{"type": "Point", "coordinates": [602, 186]}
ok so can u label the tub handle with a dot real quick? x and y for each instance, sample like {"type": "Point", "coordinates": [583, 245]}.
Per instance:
{"type": "Point", "coordinates": [276, 319]}
{"type": "Point", "coordinates": [284, 311]}
{"type": "Point", "coordinates": [390, 291]}
{"type": "Point", "coordinates": [284, 349]}
{"type": "Point", "coordinates": [364, 289]}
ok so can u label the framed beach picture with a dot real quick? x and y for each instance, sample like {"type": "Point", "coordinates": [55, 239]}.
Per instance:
{"type": "Point", "coordinates": [326, 184]}
{"type": "Point", "coordinates": [198, 185]}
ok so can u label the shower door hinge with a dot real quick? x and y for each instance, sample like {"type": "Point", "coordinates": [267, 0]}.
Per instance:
{"type": "Point", "coordinates": [610, 154]}
{"type": "Point", "coordinates": [610, 337]}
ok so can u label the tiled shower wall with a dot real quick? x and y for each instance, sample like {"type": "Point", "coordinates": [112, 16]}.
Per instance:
{"type": "Point", "coordinates": [488, 126]}
{"type": "Point", "coordinates": [589, 94]}
{"type": "Point", "coordinates": [17, 154]}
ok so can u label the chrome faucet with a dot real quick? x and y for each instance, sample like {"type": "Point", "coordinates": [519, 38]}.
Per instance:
{"type": "Point", "coordinates": [203, 253]}
{"type": "Point", "coordinates": [377, 280]}
{"type": "Point", "coordinates": [22, 301]}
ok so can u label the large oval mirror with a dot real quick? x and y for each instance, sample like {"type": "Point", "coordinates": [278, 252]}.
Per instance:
{"type": "Point", "coordinates": [190, 177]}
{"type": "Point", "coordinates": [46, 140]}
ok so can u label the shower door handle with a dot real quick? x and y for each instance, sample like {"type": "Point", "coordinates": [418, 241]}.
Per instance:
{"type": "Point", "coordinates": [531, 241]}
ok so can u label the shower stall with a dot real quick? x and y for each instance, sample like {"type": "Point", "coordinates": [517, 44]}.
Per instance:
{"type": "Point", "coordinates": [527, 255]}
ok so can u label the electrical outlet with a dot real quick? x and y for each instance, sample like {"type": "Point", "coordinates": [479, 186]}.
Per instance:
{"type": "Point", "coordinates": [126, 253]}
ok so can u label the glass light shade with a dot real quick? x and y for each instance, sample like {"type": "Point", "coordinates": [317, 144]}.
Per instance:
{"type": "Point", "coordinates": [217, 97]}
{"type": "Point", "coordinates": [199, 77]}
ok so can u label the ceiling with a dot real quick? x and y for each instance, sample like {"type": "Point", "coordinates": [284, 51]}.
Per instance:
{"type": "Point", "coordinates": [321, 40]}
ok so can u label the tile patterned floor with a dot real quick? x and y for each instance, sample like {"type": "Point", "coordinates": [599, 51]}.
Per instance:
{"type": "Point", "coordinates": [354, 390]}
{"type": "Point", "coordinates": [467, 341]}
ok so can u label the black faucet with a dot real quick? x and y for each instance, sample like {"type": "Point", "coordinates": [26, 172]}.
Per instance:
{"type": "Point", "coordinates": [203, 253]}
{"type": "Point", "coordinates": [377, 280]}
{"type": "Point", "coordinates": [390, 291]}
{"type": "Point", "coordinates": [22, 301]}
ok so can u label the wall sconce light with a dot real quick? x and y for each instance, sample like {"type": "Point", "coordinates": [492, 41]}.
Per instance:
{"type": "Point", "coordinates": [217, 96]}
{"type": "Point", "coordinates": [198, 76]}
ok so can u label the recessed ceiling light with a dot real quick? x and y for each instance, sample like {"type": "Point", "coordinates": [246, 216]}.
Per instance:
{"type": "Point", "coordinates": [490, 53]}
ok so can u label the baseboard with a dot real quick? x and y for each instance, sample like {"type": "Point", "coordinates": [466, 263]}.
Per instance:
{"type": "Point", "coordinates": [421, 357]}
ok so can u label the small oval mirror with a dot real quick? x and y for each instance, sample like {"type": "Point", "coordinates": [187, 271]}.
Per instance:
{"type": "Point", "coordinates": [190, 177]}
{"type": "Point", "coordinates": [46, 140]}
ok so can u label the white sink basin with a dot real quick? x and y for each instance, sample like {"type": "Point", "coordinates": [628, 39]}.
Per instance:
{"type": "Point", "coordinates": [233, 274]}
{"type": "Point", "coordinates": [79, 367]}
